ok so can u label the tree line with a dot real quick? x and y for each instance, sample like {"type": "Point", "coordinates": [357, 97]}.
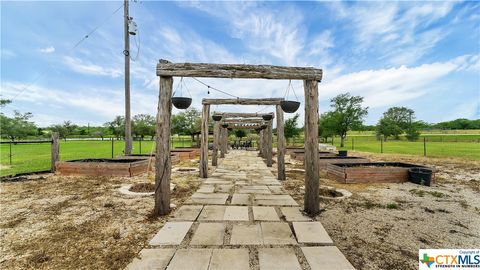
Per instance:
{"type": "Point", "coordinates": [346, 113]}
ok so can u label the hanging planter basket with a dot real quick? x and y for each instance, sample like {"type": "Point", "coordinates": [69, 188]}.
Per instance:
{"type": "Point", "coordinates": [230, 129]}
{"type": "Point", "coordinates": [267, 117]}
{"type": "Point", "coordinates": [216, 117]}
{"type": "Point", "coordinates": [224, 125]}
{"type": "Point", "coordinates": [181, 102]}
{"type": "Point", "coordinates": [289, 106]}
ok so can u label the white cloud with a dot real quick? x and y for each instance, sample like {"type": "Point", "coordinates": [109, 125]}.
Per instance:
{"type": "Point", "coordinates": [386, 87]}
{"type": "Point", "coordinates": [84, 67]}
{"type": "Point", "coordinates": [7, 54]}
{"type": "Point", "coordinates": [400, 32]}
{"type": "Point", "coordinates": [49, 49]}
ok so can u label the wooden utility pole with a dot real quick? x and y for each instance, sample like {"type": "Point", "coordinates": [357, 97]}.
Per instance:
{"type": "Point", "coordinates": [126, 52]}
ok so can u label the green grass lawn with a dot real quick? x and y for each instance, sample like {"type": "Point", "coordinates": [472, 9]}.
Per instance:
{"type": "Point", "coordinates": [37, 157]}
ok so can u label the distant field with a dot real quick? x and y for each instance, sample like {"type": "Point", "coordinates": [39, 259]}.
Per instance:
{"type": "Point", "coordinates": [36, 157]}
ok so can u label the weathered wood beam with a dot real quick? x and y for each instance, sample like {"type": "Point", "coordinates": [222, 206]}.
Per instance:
{"type": "Point", "coordinates": [241, 101]}
{"type": "Point", "coordinates": [312, 180]}
{"type": "Point", "coordinates": [243, 115]}
{"type": "Point", "coordinates": [55, 150]}
{"type": "Point", "coordinates": [166, 68]}
{"type": "Point", "coordinates": [163, 164]}
{"type": "Point", "coordinates": [223, 148]}
{"type": "Point", "coordinates": [280, 145]}
{"type": "Point", "coordinates": [204, 142]}
{"type": "Point", "coordinates": [216, 142]}
{"type": "Point", "coordinates": [269, 132]}
{"type": "Point", "coordinates": [242, 120]}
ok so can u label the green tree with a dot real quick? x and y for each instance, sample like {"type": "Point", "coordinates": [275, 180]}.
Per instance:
{"type": "Point", "coordinates": [347, 113]}
{"type": "Point", "coordinates": [291, 130]}
{"type": "Point", "coordinates": [4, 102]}
{"type": "Point", "coordinates": [240, 133]}
{"type": "Point", "coordinates": [18, 126]}
{"type": "Point", "coordinates": [117, 126]}
{"type": "Point", "coordinates": [398, 120]}
{"type": "Point", "coordinates": [327, 125]}
{"type": "Point", "coordinates": [144, 124]}
{"type": "Point", "coordinates": [187, 122]}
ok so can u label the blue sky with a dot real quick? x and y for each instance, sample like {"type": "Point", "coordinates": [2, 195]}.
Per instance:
{"type": "Point", "coordinates": [423, 55]}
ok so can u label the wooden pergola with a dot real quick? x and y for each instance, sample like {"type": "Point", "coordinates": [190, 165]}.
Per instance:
{"type": "Point", "coordinates": [247, 121]}
{"type": "Point", "coordinates": [167, 70]}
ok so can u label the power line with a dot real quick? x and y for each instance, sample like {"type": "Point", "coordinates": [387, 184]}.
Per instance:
{"type": "Point", "coordinates": [71, 49]}
{"type": "Point", "coordinates": [213, 88]}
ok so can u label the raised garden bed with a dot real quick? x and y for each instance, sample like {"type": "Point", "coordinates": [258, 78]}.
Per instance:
{"type": "Point", "coordinates": [102, 167]}
{"type": "Point", "coordinates": [370, 172]}
{"type": "Point", "coordinates": [186, 153]}
{"type": "Point", "coordinates": [324, 161]}
{"type": "Point", "coordinates": [300, 154]}
{"type": "Point", "coordinates": [173, 156]}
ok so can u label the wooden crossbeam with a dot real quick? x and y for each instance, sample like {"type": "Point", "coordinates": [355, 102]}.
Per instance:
{"type": "Point", "coordinates": [241, 101]}
{"type": "Point", "coordinates": [244, 120]}
{"type": "Point", "coordinates": [166, 68]}
{"type": "Point", "coordinates": [230, 114]}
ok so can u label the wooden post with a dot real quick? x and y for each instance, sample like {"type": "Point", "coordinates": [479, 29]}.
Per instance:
{"type": "Point", "coordinates": [280, 145]}
{"type": "Point", "coordinates": [163, 165]}
{"type": "Point", "coordinates": [269, 132]}
{"type": "Point", "coordinates": [55, 149]}
{"type": "Point", "coordinates": [216, 142]}
{"type": "Point", "coordinates": [10, 152]}
{"type": "Point", "coordinates": [312, 181]}
{"type": "Point", "coordinates": [221, 142]}
{"type": "Point", "coordinates": [262, 144]}
{"type": "Point", "coordinates": [204, 142]}
{"type": "Point", "coordinates": [112, 147]}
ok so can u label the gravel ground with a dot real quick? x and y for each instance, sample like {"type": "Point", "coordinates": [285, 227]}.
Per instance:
{"type": "Point", "coordinates": [382, 226]}
{"type": "Point", "coordinates": [54, 222]}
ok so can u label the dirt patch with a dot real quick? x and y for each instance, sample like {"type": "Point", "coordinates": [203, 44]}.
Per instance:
{"type": "Point", "coordinates": [382, 226]}
{"type": "Point", "coordinates": [79, 222]}
{"type": "Point", "coordinates": [142, 187]}
{"type": "Point", "coordinates": [330, 193]}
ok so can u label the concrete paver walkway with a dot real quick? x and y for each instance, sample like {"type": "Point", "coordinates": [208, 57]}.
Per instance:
{"type": "Point", "coordinates": [241, 218]}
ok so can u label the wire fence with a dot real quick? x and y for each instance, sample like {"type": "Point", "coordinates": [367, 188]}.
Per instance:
{"type": "Point", "coordinates": [35, 156]}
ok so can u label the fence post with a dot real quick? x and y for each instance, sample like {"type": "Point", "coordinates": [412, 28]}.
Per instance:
{"type": "Point", "coordinates": [332, 139]}
{"type": "Point", "coordinates": [381, 144]}
{"type": "Point", "coordinates": [112, 147]}
{"type": "Point", "coordinates": [353, 144]}
{"type": "Point", "coordinates": [55, 150]}
{"type": "Point", "coordinates": [10, 153]}
{"type": "Point", "coordinates": [424, 146]}
{"type": "Point", "coordinates": [140, 142]}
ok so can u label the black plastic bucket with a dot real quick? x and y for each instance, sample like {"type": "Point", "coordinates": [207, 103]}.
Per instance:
{"type": "Point", "coordinates": [342, 153]}
{"type": "Point", "coordinates": [421, 176]}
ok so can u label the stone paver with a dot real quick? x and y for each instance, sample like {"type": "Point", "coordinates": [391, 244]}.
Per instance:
{"type": "Point", "coordinates": [265, 213]}
{"type": "Point", "coordinates": [311, 233]}
{"type": "Point", "coordinates": [209, 234]}
{"type": "Point", "coordinates": [241, 199]}
{"type": "Point", "coordinates": [223, 234]}
{"type": "Point", "coordinates": [294, 214]}
{"type": "Point", "coordinates": [236, 213]}
{"type": "Point", "coordinates": [232, 259]}
{"type": "Point", "coordinates": [152, 258]}
{"type": "Point", "coordinates": [212, 213]}
{"type": "Point", "coordinates": [172, 233]}
{"type": "Point", "coordinates": [191, 259]}
{"type": "Point", "coordinates": [277, 233]}
{"type": "Point", "coordinates": [326, 258]}
{"type": "Point", "coordinates": [250, 234]}
{"type": "Point", "coordinates": [278, 259]}
{"type": "Point", "coordinates": [187, 212]}
{"type": "Point", "coordinates": [206, 189]}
